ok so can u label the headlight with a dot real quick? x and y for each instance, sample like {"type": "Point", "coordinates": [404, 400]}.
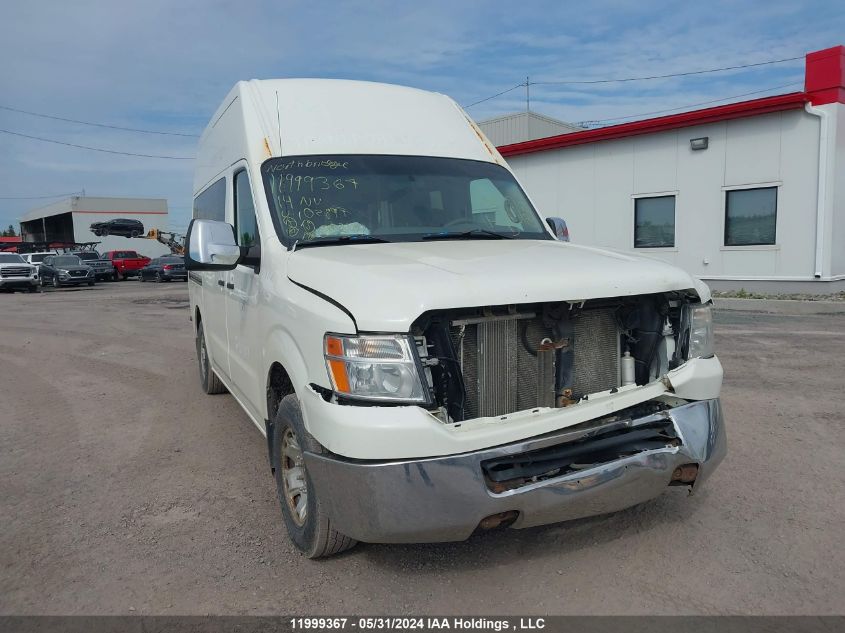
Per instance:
{"type": "Point", "coordinates": [700, 342]}
{"type": "Point", "coordinates": [374, 368]}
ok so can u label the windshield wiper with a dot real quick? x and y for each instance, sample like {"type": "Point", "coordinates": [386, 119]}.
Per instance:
{"type": "Point", "coordinates": [328, 240]}
{"type": "Point", "coordinates": [467, 235]}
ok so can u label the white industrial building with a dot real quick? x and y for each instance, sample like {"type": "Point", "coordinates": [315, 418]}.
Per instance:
{"type": "Point", "coordinates": [524, 126]}
{"type": "Point", "coordinates": [747, 195]}
{"type": "Point", "coordinates": [70, 221]}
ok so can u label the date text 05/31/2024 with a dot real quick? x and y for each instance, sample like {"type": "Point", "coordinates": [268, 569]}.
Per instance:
{"type": "Point", "coordinates": [457, 623]}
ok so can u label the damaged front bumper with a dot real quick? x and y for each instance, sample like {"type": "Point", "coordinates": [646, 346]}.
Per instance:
{"type": "Point", "coordinates": [447, 498]}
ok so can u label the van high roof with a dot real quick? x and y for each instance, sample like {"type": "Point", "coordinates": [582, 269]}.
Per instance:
{"type": "Point", "coordinates": [260, 119]}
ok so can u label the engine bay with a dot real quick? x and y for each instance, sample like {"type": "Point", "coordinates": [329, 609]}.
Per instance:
{"type": "Point", "coordinates": [497, 360]}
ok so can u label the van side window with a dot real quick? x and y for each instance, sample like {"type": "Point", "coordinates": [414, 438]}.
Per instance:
{"type": "Point", "coordinates": [211, 203]}
{"type": "Point", "coordinates": [246, 227]}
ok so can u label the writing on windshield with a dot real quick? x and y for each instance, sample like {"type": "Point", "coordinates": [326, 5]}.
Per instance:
{"type": "Point", "coordinates": [399, 198]}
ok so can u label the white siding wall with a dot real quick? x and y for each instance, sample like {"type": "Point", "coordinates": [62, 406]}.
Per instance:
{"type": "Point", "coordinates": [836, 243]}
{"type": "Point", "coordinates": [593, 186]}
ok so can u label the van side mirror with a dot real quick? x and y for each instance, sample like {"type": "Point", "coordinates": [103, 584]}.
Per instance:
{"type": "Point", "coordinates": [211, 245]}
{"type": "Point", "coordinates": [559, 228]}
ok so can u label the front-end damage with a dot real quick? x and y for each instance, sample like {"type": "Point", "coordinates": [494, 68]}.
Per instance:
{"type": "Point", "coordinates": [590, 469]}
{"type": "Point", "coordinates": [537, 413]}
{"type": "Point", "coordinates": [497, 360]}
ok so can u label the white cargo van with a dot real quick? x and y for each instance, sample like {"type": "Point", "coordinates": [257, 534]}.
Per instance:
{"type": "Point", "coordinates": [371, 283]}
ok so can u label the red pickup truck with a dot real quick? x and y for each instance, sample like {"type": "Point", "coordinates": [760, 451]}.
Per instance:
{"type": "Point", "coordinates": [126, 263]}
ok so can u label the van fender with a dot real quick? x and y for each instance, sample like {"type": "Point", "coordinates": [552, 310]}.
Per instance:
{"type": "Point", "coordinates": [297, 343]}
{"type": "Point", "coordinates": [281, 348]}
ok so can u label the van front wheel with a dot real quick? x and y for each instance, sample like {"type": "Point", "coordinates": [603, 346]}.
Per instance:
{"type": "Point", "coordinates": [211, 384]}
{"type": "Point", "coordinates": [307, 524]}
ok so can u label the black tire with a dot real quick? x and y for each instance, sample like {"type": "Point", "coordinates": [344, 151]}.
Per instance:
{"type": "Point", "coordinates": [104, 232]}
{"type": "Point", "coordinates": [158, 278]}
{"type": "Point", "coordinates": [56, 283]}
{"type": "Point", "coordinates": [313, 534]}
{"type": "Point", "coordinates": [134, 233]}
{"type": "Point", "coordinates": [211, 384]}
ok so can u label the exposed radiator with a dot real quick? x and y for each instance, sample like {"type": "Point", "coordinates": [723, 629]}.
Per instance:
{"type": "Point", "coordinates": [504, 371]}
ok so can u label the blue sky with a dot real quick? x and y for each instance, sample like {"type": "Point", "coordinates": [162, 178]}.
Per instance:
{"type": "Point", "coordinates": [166, 65]}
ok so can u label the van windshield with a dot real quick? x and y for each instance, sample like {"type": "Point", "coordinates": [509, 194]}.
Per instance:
{"type": "Point", "coordinates": [341, 198]}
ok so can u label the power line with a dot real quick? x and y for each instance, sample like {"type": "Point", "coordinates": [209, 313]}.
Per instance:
{"type": "Point", "coordinates": [527, 83]}
{"type": "Point", "coordinates": [689, 105]}
{"type": "Point", "coordinates": [498, 94]}
{"type": "Point", "coordinates": [683, 74]}
{"type": "Point", "coordinates": [57, 195]}
{"type": "Point", "coordinates": [95, 149]}
{"type": "Point", "coordinates": [104, 125]}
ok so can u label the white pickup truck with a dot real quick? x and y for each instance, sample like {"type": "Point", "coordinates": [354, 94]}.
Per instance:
{"type": "Point", "coordinates": [377, 291]}
{"type": "Point", "coordinates": [17, 274]}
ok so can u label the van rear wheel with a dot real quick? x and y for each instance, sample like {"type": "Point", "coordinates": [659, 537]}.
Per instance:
{"type": "Point", "coordinates": [211, 384]}
{"type": "Point", "coordinates": [307, 523]}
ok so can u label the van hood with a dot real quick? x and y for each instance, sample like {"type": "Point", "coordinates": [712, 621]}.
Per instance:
{"type": "Point", "coordinates": [386, 287]}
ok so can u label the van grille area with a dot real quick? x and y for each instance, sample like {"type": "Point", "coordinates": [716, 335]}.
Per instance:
{"type": "Point", "coordinates": [505, 370]}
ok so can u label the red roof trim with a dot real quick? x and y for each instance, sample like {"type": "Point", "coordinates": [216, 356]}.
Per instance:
{"type": "Point", "coordinates": [791, 101]}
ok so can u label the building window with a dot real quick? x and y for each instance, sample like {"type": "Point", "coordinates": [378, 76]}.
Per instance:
{"type": "Point", "coordinates": [654, 222]}
{"type": "Point", "coordinates": [750, 216]}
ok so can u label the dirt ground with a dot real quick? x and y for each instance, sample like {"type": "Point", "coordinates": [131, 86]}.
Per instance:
{"type": "Point", "coordinates": [124, 489]}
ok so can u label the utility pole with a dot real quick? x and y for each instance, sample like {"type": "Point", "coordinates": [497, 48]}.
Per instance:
{"type": "Point", "coordinates": [527, 94]}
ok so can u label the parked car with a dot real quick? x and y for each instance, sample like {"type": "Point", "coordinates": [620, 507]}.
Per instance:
{"type": "Point", "coordinates": [165, 268]}
{"type": "Point", "coordinates": [424, 357]}
{"type": "Point", "coordinates": [65, 270]}
{"type": "Point", "coordinates": [37, 258]}
{"type": "Point", "coordinates": [103, 269]}
{"type": "Point", "coordinates": [125, 263]}
{"type": "Point", "coordinates": [118, 226]}
{"type": "Point", "coordinates": [16, 274]}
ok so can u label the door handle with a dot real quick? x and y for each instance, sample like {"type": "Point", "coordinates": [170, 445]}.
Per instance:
{"type": "Point", "coordinates": [230, 286]}
{"type": "Point", "coordinates": [219, 282]}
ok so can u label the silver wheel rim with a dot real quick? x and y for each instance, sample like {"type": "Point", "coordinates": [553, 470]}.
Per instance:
{"type": "Point", "coordinates": [293, 477]}
{"type": "Point", "coordinates": [203, 357]}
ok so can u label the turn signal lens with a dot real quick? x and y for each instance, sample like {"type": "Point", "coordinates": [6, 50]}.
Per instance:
{"type": "Point", "coordinates": [374, 368]}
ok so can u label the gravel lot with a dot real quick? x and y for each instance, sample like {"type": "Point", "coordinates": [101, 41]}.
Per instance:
{"type": "Point", "coordinates": [124, 489]}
